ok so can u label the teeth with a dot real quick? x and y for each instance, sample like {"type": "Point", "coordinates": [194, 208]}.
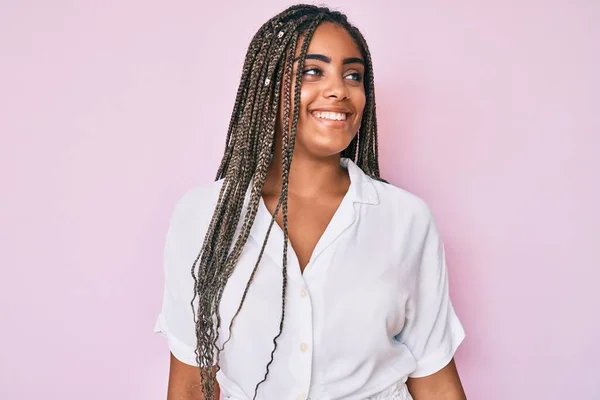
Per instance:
{"type": "Point", "coordinates": [330, 115]}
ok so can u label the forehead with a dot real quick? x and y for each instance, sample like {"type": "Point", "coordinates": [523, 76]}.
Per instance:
{"type": "Point", "coordinates": [333, 41]}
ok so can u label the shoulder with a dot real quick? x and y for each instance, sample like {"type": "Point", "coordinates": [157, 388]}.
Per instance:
{"type": "Point", "coordinates": [187, 228]}
{"type": "Point", "coordinates": [392, 209]}
{"type": "Point", "coordinates": [195, 207]}
{"type": "Point", "coordinates": [391, 201]}
{"type": "Point", "coordinates": [402, 205]}
{"type": "Point", "coordinates": [409, 225]}
{"type": "Point", "coordinates": [198, 198]}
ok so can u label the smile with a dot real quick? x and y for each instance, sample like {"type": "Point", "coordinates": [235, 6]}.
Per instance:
{"type": "Point", "coordinates": [330, 116]}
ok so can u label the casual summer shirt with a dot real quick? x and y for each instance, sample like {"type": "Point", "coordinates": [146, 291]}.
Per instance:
{"type": "Point", "coordinates": [370, 310]}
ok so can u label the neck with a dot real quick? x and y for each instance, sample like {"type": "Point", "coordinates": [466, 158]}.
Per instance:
{"type": "Point", "coordinates": [309, 177]}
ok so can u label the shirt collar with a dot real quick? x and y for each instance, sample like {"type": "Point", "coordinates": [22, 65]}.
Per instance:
{"type": "Point", "coordinates": [362, 189]}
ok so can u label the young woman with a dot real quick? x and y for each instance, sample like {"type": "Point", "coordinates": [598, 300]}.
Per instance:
{"type": "Point", "coordinates": [311, 277]}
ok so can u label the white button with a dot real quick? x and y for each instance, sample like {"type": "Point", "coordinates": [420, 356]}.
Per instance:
{"type": "Point", "coordinates": [303, 293]}
{"type": "Point", "coordinates": [301, 396]}
{"type": "Point", "coordinates": [303, 347]}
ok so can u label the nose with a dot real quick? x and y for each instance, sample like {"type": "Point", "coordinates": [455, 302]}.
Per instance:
{"type": "Point", "coordinates": [336, 89]}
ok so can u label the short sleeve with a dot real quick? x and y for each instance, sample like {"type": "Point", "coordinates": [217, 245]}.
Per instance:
{"type": "Point", "coordinates": [182, 244]}
{"type": "Point", "coordinates": [432, 330]}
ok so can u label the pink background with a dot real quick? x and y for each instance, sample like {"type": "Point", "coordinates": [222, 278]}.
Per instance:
{"type": "Point", "coordinates": [109, 111]}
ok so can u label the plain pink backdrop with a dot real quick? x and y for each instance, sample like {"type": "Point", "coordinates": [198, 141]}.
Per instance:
{"type": "Point", "coordinates": [111, 110]}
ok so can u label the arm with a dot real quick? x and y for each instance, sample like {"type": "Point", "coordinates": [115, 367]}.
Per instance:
{"type": "Point", "coordinates": [432, 331]}
{"type": "Point", "coordinates": [442, 385]}
{"type": "Point", "coordinates": [184, 382]}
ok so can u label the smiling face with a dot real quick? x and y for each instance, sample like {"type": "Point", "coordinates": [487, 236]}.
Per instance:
{"type": "Point", "coordinates": [332, 96]}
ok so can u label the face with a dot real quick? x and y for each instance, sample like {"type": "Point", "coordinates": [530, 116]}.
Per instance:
{"type": "Point", "coordinates": [332, 96]}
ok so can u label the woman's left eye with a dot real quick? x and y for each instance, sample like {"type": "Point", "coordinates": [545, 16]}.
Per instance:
{"type": "Point", "coordinates": [354, 76]}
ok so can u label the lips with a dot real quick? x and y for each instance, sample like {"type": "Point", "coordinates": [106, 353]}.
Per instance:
{"type": "Point", "coordinates": [330, 115]}
{"type": "Point", "coordinates": [336, 115]}
{"type": "Point", "coordinates": [331, 119]}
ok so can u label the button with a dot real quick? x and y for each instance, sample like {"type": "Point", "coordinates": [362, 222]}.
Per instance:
{"type": "Point", "coordinates": [303, 293]}
{"type": "Point", "coordinates": [301, 396]}
{"type": "Point", "coordinates": [303, 347]}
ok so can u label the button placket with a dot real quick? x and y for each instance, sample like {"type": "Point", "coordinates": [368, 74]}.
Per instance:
{"type": "Point", "coordinates": [301, 396]}
{"type": "Point", "coordinates": [300, 362]}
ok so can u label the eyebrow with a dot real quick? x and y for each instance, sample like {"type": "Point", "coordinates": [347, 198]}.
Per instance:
{"type": "Point", "coordinates": [321, 57]}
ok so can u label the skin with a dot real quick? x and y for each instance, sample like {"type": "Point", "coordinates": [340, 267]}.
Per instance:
{"type": "Point", "coordinates": [332, 80]}
{"type": "Point", "coordinates": [184, 382]}
{"type": "Point", "coordinates": [443, 385]}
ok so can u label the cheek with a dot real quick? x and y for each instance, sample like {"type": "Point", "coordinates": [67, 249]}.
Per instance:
{"type": "Point", "coordinates": [305, 99]}
{"type": "Point", "coordinates": [360, 101]}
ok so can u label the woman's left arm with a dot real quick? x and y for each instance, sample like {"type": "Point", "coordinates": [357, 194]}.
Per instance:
{"type": "Point", "coordinates": [442, 385]}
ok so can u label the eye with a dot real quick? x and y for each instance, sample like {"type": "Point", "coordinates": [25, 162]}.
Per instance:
{"type": "Point", "coordinates": [313, 72]}
{"type": "Point", "coordinates": [355, 76]}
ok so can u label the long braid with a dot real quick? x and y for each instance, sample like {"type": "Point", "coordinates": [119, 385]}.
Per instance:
{"type": "Point", "coordinates": [268, 119]}
{"type": "Point", "coordinates": [241, 94]}
{"type": "Point", "coordinates": [236, 181]}
{"type": "Point", "coordinates": [287, 153]}
{"type": "Point", "coordinates": [287, 84]}
{"type": "Point", "coordinates": [243, 169]}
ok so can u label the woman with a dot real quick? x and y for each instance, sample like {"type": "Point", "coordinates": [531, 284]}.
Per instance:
{"type": "Point", "coordinates": [315, 278]}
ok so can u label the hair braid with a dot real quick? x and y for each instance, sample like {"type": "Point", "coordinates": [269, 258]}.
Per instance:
{"type": "Point", "coordinates": [287, 153]}
{"type": "Point", "coordinates": [266, 76]}
{"type": "Point", "coordinates": [269, 115]}
{"type": "Point", "coordinates": [287, 85]}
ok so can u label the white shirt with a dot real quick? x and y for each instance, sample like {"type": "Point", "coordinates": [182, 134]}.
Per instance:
{"type": "Point", "coordinates": [370, 310]}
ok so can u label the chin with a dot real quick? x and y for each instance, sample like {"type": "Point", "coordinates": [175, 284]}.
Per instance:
{"type": "Point", "coordinates": [323, 144]}
{"type": "Point", "coordinates": [325, 150]}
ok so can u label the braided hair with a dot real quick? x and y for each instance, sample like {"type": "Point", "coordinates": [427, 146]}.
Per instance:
{"type": "Point", "coordinates": [250, 144]}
